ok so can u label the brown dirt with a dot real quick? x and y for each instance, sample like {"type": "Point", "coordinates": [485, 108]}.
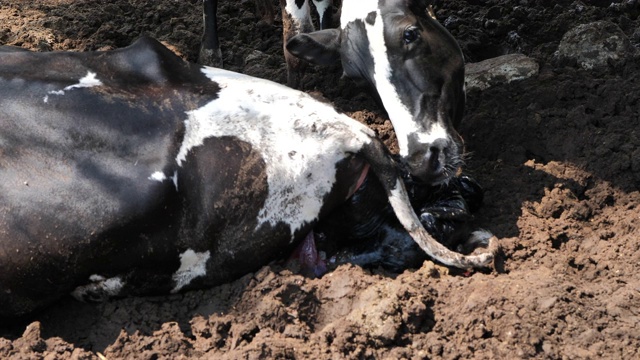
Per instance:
{"type": "Point", "coordinates": [558, 154]}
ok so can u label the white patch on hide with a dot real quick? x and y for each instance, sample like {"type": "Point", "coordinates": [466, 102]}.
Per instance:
{"type": "Point", "coordinates": [161, 177]}
{"type": "Point", "coordinates": [96, 278]}
{"type": "Point", "coordinates": [158, 176]}
{"type": "Point", "coordinates": [100, 288]}
{"type": "Point", "coordinates": [192, 265]}
{"type": "Point", "coordinates": [278, 121]}
{"type": "Point", "coordinates": [174, 178]}
{"type": "Point", "coordinates": [89, 80]}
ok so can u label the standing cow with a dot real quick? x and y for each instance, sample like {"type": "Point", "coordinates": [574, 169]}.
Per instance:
{"type": "Point", "coordinates": [296, 18]}
{"type": "Point", "coordinates": [416, 68]}
{"type": "Point", "coordinates": [133, 172]}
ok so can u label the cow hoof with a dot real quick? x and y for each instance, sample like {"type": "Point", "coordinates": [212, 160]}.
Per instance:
{"type": "Point", "coordinates": [484, 245]}
{"type": "Point", "coordinates": [210, 57]}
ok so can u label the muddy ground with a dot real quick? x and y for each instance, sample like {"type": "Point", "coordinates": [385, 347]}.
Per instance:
{"type": "Point", "coordinates": [558, 155]}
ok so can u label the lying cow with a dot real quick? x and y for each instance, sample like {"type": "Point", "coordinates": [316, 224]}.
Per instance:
{"type": "Point", "coordinates": [133, 172]}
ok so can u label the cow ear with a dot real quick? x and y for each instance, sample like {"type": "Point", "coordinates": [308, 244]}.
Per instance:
{"type": "Point", "coordinates": [318, 47]}
{"type": "Point", "coordinates": [420, 7]}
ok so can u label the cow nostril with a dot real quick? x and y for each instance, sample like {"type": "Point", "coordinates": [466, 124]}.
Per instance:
{"type": "Point", "coordinates": [433, 160]}
{"type": "Point", "coordinates": [438, 146]}
{"type": "Point", "coordinates": [436, 156]}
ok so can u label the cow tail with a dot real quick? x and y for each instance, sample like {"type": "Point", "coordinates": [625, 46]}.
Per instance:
{"type": "Point", "coordinates": [387, 171]}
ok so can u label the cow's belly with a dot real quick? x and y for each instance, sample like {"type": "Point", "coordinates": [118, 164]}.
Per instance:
{"type": "Point", "coordinates": [61, 220]}
{"type": "Point", "coordinates": [232, 225]}
{"type": "Point", "coordinates": [67, 213]}
{"type": "Point", "coordinates": [242, 215]}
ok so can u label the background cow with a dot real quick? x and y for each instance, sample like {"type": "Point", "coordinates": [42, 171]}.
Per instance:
{"type": "Point", "coordinates": [296, 18]}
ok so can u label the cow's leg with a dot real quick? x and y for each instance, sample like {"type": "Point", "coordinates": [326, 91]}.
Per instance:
{"type": "Point", "coordinates": [325, 12]}
{"type": "Point", "coordinates": [210, 53]}
{"type": "Point", "coordinates": [387, 172]}
{"type": "Point", "coordinates": [296, 19]}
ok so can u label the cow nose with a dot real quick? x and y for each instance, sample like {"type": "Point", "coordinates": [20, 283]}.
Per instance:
{"type": "Point", "coordinates": [435, 157]}
{"type": "Point", "coordinates": [432, 162]}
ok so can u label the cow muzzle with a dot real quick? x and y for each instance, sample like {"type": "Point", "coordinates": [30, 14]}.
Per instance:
{"type": "Point", "coordinates": [436, 162]}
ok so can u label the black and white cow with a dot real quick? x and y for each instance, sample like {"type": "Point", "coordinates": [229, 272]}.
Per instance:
{"type": "Point", "coordinates": [133, 172]}
{"type": "Point", "coordinates": [296, 17]}
{"type": "Point", "coordinates": [415, 66]}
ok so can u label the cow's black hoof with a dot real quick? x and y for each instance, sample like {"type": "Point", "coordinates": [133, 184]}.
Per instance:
{"type": "Point", "coordinates": [210, 57]}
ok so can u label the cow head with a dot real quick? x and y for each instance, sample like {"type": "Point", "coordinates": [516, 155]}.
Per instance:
{"type": "Point", "coordinates": [416, 68]}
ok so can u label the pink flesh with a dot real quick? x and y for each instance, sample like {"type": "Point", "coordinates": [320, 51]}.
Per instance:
{"type": "Point", "coordinates": [306, 255]}
{"type": "Point", "coordinates": [363, 175]}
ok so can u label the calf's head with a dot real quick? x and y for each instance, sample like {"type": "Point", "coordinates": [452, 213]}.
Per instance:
{"type": "Point", "coordinates": [416, 68]}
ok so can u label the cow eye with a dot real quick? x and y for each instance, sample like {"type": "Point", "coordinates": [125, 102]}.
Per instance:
{"type": "Point", "coordinates": [410, 35]}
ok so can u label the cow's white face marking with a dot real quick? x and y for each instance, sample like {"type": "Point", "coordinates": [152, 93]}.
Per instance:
{"type": "Point", "coordinates": [99, 288]}
{"type": "Point", "coordinates": [399, 114]}
{"type": "Point", "coordinates": [88, 80]}
{"type": "Point", "coordinates": [354, 10]}
{"type": "Point", "coordinates": [192, 265]}
{"type": "Point", "coordinates": [437, 132]}
{"type": "Point", "coordinates": [299, 138]}
{"type": "Point", "coordinates": [161, 177]}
